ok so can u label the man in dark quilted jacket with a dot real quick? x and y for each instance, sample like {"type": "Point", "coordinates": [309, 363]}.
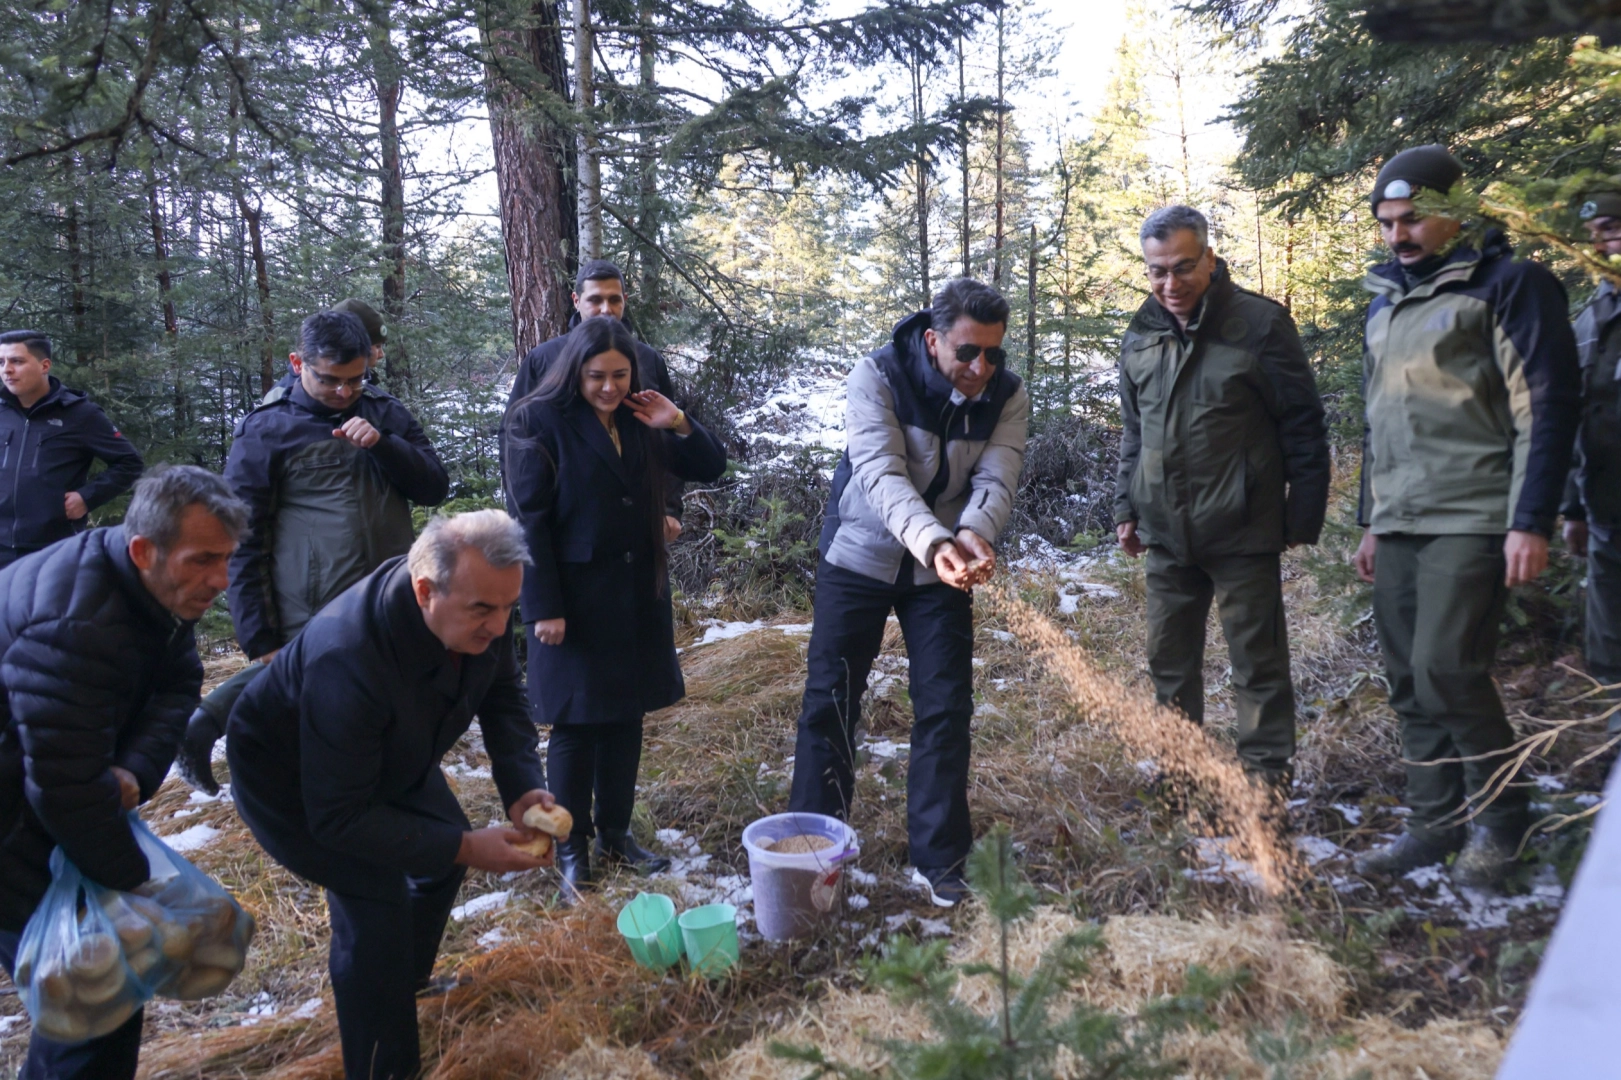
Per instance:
{"type": "Point", "coordinates": [99, 671]}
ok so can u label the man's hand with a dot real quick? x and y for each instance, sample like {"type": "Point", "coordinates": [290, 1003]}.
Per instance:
{"type": "Point", "coordinates": [951, 564]}
{"type": "Point", "coordinates": [1363, 559]}
{"type": "Point", "coordinates": [196, 759]}
{"type": "Point", "coordinates": [129, 788]}
{"type": "Point", "coordinates": [1576, 537]}
{"type": "Point", "coordinates": [549, 631]}
{"type": "Point", "coordinates": [1126, 533]}
{"type": "Point", "coordinates": [537, 797]}
{"type": "Point", "coordinates": [358, 432]}
{"type": "Point", "coordinates": [73, 503]}
{"type": "Point", "coordinates": [491, 849]}
{"type": "Point", "coordinates": [672, 528]}
{"type": "Point", "coordinates": [1527, 556]}
{"type": "Point", "coordinates": [982, 560]}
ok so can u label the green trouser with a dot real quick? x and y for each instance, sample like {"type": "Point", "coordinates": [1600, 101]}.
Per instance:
{"type": "Point", "coordinates": [1248, 591]}
{"type": "Point", "coordinates": [1438, 603]}
{"type": "Point", "coordinates": [1603, 639]}
{"type": "Point", "coordinates": [220, 700]}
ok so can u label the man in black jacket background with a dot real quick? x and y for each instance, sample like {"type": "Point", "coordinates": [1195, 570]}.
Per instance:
{"type": "Point", "coordinates": [335, 760]}
{"type": "Point", "coordinates": [49, 436]}
{"type": "Point", "coordinates": [329, 467]}
{"type": "Point", "coordinates": [599, 289]}
{"type": "Point", "coordinates": [99, 669]}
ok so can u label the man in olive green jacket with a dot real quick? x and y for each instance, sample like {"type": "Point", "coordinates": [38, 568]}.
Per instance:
{"type": "Point", "coordinates": [1223, 463]}
{"type": "Point", "coordinates": [1473, 396]}
{"type": "Point", "coordinates": [1593, 496]}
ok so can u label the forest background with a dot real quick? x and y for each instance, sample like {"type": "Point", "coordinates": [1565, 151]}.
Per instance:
{"type": "Point", "coordinates": [186, 179]}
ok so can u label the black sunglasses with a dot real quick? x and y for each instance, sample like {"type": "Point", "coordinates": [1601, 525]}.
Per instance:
{"type": "Point", "coordinates": [966, 354]}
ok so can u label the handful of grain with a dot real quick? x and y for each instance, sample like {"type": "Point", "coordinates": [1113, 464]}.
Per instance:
{"type": "Point", "coordinates": [802, 844]}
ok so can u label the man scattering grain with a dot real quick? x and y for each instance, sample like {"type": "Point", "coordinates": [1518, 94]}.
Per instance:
{"type": "Point", "coordinates": [936, 427]}
{"type": "Point", "coordinates": [335, 758]}
{"type": "Point", "coordinates": [100, 670]}
{"type": "Point", "coordinates": [1473, 397]}
{"type": "Point", "coordinates": [1223, 464]}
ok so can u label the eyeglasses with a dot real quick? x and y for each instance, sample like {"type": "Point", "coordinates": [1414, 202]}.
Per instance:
{"type": "Point", "coordinates": [967, 354]}
{"type": "Point", "coordinates": [329, 382]}
{"type": "Point", "coordinates": [1181, 271]}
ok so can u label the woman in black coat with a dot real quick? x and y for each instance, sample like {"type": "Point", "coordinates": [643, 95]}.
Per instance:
{"type": "Point", "coordinates": [587, 457]}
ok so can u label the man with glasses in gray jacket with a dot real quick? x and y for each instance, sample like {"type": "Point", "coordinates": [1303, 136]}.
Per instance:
{"type": "Point", "coordinates": [936, 427]}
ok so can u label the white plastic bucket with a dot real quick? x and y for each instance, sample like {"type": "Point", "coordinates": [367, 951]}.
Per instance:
{"type": "Point", "coordinates": [795, 892]}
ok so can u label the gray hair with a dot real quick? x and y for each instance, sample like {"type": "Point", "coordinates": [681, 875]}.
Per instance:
{"type": "Point", "coordinates": [164, 494]}
{"type": "Point", "coordinates": [492, 533]}
{"type": "Point", "coordinates": [1169, 219]}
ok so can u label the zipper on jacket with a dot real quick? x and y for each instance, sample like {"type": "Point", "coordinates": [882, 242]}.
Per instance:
{"type": "Point", "coordinates": [17, 482]}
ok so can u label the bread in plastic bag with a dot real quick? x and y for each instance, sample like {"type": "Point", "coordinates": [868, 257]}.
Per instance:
{"type": "Point", "coordinates": [91, 956]}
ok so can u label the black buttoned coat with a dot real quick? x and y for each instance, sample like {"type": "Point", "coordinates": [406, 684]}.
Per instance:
{"type": "Point", "coordinates": [335, 749]}
{"type": "Point", "coordinates": [585, 511]}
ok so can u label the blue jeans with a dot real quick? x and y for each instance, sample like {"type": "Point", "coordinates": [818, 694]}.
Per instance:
{"type": "Point", "coordinates": [937, 622]}
{"type": "Point", "coordinates": [110, 1057]}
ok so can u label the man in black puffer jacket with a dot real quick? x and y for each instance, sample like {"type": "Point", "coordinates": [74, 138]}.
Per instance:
{"type": "Point", "coordinates": [99, 670]}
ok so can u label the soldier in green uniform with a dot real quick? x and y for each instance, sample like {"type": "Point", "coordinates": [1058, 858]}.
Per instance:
{"type": "Point", "coordinates": [1472, 394]}
{"type": "Point", "coordinates": [1593, 497]}
{"type": "Point", "coordinates": [1224, 463]}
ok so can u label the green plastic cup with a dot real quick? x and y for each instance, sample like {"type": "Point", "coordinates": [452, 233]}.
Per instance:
{"type": "Point", "coordinates": [648, 926]}
{"type": "Point", "coordinates": [710, 936]}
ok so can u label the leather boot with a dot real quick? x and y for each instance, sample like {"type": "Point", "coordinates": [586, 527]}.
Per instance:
{"type": "Point", "coordinates": [622, 848]}
{"type": "Point", "coordinates": [1405, 854]}
{"type": "Point", "coordinates": [574, 867]}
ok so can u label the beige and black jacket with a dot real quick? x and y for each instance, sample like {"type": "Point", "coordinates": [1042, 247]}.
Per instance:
{"type": "Point", "coordinates": [1472, 393]}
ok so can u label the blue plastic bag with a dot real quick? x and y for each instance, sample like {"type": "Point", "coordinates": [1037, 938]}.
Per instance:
{"type": "Point", "coordinates": [90, 956]}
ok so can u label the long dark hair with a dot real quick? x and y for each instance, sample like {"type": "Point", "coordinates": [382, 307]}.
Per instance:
{"type": "Point", "coordinates": [559, 387]}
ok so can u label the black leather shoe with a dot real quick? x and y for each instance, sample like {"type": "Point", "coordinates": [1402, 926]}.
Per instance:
{"type": "Point", "coordinates": [622, 848]}
{"type": "Point", "coordinates": [574, 867]}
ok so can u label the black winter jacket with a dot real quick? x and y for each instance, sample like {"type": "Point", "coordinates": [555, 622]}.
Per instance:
{"type": "Point", "coordinates": [96, 673]}
{"type": "Point", "coordinates": [324, 513]}
{"type": "Point", "coordinates": [585, 510]}
{"type": "Point", "coordinates": [651, 371]}
{"type": "Point", "coordinates": [335, 748]}
{"type": "Point", "coordinates": [45, 452]}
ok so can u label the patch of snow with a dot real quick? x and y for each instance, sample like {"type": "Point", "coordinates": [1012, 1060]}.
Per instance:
{"type": "Point", "coordinates": [857, 901]}
{"type": "Point", "coordinates": [192, 839]}
{"type": "Point", "coordinates": [9, 1022]}
{"type": "Point", "coordinates": [187, 812]}
{"type": "Point", "coordinates": [893, 923]}
{"type": "Point", "coordinates": [1549, 783]}
{"type": "Point", "coordinates": [934, 927]}
{"type": "Point", "coordinates": [1352, 814]}
{"type": "Point", "coordinates": [463, 771]}
{"type": "Point", "coordinates": [478, 905]}
{"type": "Point", "coordinates": [202, 797]}
{"type": "Point", "coordinates": [1316, 848]}
{"type": "Point", "coordinates": [886, 748]}
{"type": "Point", "coordinates": [306, 1011]}
{"type": "Point", "coordinates": [1425, 876]}
{"type": "Point", "coordinates": [1220, 864]}
{"type": "Point", "coordinates": [489, 939]}
{"type": "Point", "coordinates": [861, 877]}
{"type": "Point", "coordinates": [867, 942]}
{"type": "Point", "coordinates": [1004, 637]}
{"type": "Point", "coordinates": [1586, 799]}
{"type": "Point", "coordinates": [795, 628]}
{"type": "Point", "coordinates": [715, 630]}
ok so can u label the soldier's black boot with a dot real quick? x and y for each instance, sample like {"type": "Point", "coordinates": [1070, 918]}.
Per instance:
{"type": "Point", "coordinates": [1406, 853]}
{"type": "Point", "coordinates": [1487, 857]}
{"type": "Point", "coordinates": [574, 867]}
{"type": "Point", "coordinates": [622, 848]}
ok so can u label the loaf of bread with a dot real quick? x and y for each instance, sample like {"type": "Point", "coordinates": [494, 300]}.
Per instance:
{"type": "Point", "coordinates": [538, 846]}
{"type": "Point", "coordinates": [556, 822]}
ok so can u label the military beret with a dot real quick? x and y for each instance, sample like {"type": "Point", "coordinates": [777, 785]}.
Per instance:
{"type": "Point", "coordinates": [1416, 167]}
{"type": "Point", "coordinates": [368, 317]}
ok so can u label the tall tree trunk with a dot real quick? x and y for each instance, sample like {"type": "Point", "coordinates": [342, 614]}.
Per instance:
{"type": "Point", "coordinates": [1001, 148]}
{"type": "Point", "coordinates": [962, 155]}
{"type": "Point", "coordinates": [921, 177]}
{"type": "Point", "coordinates": [388, 70]}
{"type": "Point", "coordinates": [525, 71]}
{"type": "Point", "coordinates": [1260, 265]}
{"type": "Point", "coordinates": [1289, 265]}
{"type": "Point", "coordinates": [253, 217]}
{"type": "Point", "coordinates": [160, 256]}
{"type": "Point", "coordinates": [1030, 324]}
{"type": "Point", "coordinates": [585, 98]}
{"type": "Point", "coordinates": [76, 276]}
{"type": "Point", "coordinates": [648, 212]}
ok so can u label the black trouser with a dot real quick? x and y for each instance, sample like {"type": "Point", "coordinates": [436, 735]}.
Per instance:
{"type": "Point", "coordinates": [937, 622]}
{"type": "Point", "coordinates": [383, 953]}
{"type": "Point", "coordinates": [603, 759]}
{"type": "Point", "coordinates": [1437, 604]}
{"type": "Point", "coordinates": [1603, 637]}
{"type": "Point", "coordinates": [110, 1057]}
